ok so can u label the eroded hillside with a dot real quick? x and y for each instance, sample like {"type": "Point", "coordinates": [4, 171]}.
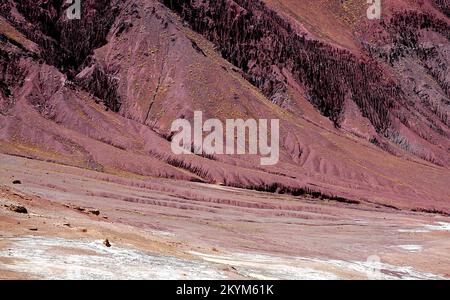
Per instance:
{"type": "Point", "coordinates": [101, 93]}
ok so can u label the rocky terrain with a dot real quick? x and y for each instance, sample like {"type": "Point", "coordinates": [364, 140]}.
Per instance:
{"type": "Point", "coordinates": [166, 229]}
{"type": "Point", "coordinates": [86, 108]}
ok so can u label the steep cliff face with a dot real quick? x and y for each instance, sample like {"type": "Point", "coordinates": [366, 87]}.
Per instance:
{"type": "Point", "coordinates": [415, 45]}
{"type": "Point", "coordinates": [256, 39]}
{"type": "Point", "coordinates": [266, 47]}
{"type": "Point", "coordinates": [12, 70]}
{"type": "Point", "coordinates": [68, 44]}
{"type": "Point", "coordinates": [443, 5]}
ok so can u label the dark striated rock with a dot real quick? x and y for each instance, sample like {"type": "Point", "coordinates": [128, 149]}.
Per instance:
{"type": "Point", "coordinates": [255, 39]}
{"type": "Point", "coordinates": [107, 243]}
{"type": "Point", "coordinates": [265, 47]}
{"type": "Point", "coordinates": [443, 5]}
{"type": "Point", "coordinates": [95, 212]}
{"type": "Point", "coordinates": [66, 44]}
{"type": "Point", "coordinates": [18, 209]}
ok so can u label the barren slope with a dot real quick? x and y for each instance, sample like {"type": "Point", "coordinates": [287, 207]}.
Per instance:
{"type": "Point", "coordinates": [109, 106]}
{"type": "Point", "coordinates": [161, 229]}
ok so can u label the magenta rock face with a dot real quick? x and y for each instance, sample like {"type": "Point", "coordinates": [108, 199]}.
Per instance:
{"type": "Point", "coordinates": [363, 107]}
{"type": "Point", "coordinates": [364, 114]}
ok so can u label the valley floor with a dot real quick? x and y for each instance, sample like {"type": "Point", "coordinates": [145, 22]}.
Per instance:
{"type": "Point", "coordinates": [164, 229]}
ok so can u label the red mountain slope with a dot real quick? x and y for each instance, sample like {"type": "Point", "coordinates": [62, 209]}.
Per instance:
{"type": "Point", "coordinates": [363, 106]}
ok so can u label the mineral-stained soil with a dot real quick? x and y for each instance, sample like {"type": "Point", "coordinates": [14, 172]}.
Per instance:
{"type": "Point", "coordinates": [161, 230]}
{"type": "Point", "coordinates": [86, 108]}
{"type": "Point", "coordinates": [106, 102]}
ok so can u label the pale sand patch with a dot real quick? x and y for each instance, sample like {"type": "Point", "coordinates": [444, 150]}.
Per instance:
{"type": "Point", "coordinates": [261, 266]}
{"type": "Point", "coordinates": [411, 248]}
{"type": "Point", "coordinates": [438, 226]}
{"type": "Point", "coordinates": [57, 258]}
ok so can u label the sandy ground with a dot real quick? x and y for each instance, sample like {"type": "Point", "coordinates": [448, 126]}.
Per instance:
{"type": "Point", "coordinates": [163, 229]}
